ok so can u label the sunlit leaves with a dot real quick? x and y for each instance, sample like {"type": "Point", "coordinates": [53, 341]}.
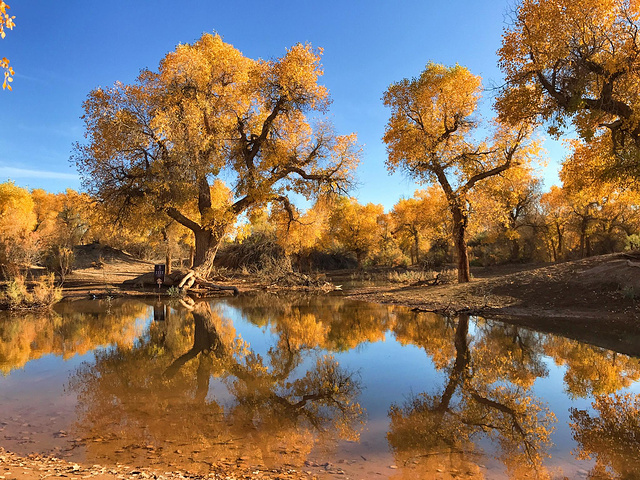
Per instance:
{"type": "Point", "coordinates": [355, 227]}
{"type": "Point", "coordinates": [210, 112]}
{"type": "Point", "coordinates": [418, 222]}
{"type": "Point", "coordinates": [576, 61]}
{"type": "Point", "coordinates": [18, 244]}
{"type": "Point", "coordinates": [6, 22]}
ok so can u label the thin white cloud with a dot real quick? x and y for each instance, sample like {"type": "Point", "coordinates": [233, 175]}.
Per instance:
{"type": "Point", "coordinates": [12, 172]}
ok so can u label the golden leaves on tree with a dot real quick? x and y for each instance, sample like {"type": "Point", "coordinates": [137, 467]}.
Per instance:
{"type": "Point", "coordinates": [6, 22]}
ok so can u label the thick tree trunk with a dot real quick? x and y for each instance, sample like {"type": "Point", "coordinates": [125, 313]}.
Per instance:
{"type": "Point", "coordinates": [460, 241]}
{"type": "Point", "coordinates": [207, 244]}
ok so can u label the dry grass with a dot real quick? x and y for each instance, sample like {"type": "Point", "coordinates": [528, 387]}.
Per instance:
{"type": "Point", "coordinates": [43, 293]}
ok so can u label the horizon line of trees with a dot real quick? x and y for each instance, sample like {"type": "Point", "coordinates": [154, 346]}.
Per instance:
{"type": "Point", "coordinates": [511, 221]}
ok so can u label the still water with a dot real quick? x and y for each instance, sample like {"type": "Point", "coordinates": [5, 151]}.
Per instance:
{"type": "Point", "coordinates": [320, 384]}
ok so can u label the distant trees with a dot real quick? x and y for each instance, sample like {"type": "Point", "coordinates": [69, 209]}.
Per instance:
{"type": "Point", "coordinates": [430, 136]}
{"type": "Point", "coordinates": [17, 224]}
{"type": "Point", "coordinates": [419, 222]}
{"type": "Point", "coordinates": [356, 227]}
{"type": "Point", "coordinates": [210, 111]}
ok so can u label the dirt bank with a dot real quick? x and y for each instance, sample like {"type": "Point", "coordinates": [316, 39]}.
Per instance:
{"type": "Point", "coordinates": [596, 300]}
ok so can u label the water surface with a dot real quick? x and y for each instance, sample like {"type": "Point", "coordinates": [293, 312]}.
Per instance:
{"type": "Point", "coordinates": [320, 384]}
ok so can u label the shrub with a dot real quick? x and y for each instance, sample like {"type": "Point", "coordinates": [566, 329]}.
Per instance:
{"type": "Point", "coordinates": [60, 259]}
{"type": "Point", "coordinates": [43, 294]}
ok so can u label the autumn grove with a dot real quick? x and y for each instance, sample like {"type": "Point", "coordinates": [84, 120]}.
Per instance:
{"type": "Point", "coordinates": [216, 160]}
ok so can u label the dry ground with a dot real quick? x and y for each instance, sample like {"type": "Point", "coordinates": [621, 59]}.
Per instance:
{"type": "Point", "coordinates": [40, 467]}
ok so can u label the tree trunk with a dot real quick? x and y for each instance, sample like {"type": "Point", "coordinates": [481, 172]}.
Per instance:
{"type": "Point", "coordinates": [416, 241]}
{"type": "Point", "coordinates": [168, 260]}
{"type": "Point", "coordinates": [460, 241]}
{"type": "Point", "coordinates": [560, 242]}
{"type": "Point", "coordinates": [207, 244]}
{"type": "Point", "coordinates": [460, 370]}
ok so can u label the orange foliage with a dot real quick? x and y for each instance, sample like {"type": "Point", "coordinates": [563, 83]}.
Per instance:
{"type": "Point", "coordinates": [577, 61]}
{"type": "Point", "coordinates": [211, 111]}
{"type": "Point", "coordinates": [430, 136]}
{"type": "Point", "coordinates": [6, 21]}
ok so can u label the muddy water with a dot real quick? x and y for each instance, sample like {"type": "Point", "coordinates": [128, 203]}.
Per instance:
{"type": "Point", "coordinates": [318, 384]}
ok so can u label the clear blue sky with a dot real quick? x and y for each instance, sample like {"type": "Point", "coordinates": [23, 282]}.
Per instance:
{"type": "Point", "coordinates": [62, 50]}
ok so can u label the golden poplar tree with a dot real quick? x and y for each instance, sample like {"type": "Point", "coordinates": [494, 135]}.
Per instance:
{"type": "Point", "coordinates": [430, 135]}
{"type": "Point", "coordinates": [577, 61]}
{"type": "Point", "coordinates": [210, 112]}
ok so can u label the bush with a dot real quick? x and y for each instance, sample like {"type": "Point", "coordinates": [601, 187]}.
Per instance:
{"type": "Point", "coordinates": [43, 294]}
{"type": "Point", "coordinates": [633, 242]}
{"type": "Point", "coordinates": [60, 260]}
{"type": "Point", "coordinates": [257, 252]}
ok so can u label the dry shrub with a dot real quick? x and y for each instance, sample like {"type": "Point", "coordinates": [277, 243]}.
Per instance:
{"type": "Point", "coordinates": [448, 275]}
{"type": "Point", "coordinates": [43, 294]}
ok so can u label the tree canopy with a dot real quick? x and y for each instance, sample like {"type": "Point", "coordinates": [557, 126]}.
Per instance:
{"type": "Point", "coordinates": [211, 113]}
{"type": "Point", "coordinates": [430, 135]}
{"type": "Point", "coordinates": [577, 61]}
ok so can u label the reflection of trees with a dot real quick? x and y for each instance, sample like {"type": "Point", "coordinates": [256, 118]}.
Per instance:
{"type": "Point", "coordinates": [336, 325]}
{"type": "Point", "coordinates": [611, 436]}
{"type": "Point", "coordinates": [486, 395]}
{"type": "Point", "coordinates": [592, 370]}
{"type": "Point", "coordinates": [75, 329]}
{"type": "Point", "coordinates": [271, 408]}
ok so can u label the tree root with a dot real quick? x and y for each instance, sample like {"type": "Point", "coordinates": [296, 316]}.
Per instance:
{"type": "Point", "coordinates": [191, 279]}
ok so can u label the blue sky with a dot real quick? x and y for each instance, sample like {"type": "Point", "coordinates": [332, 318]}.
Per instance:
{"type": "Point", "coordinates": [62, 50]}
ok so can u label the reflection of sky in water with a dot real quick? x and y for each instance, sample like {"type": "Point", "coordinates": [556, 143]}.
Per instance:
{"type": "Point", "coordinates": [389, 373]}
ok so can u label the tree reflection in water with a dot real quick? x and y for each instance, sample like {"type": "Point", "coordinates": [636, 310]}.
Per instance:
{"type": "Point", "coordinates": [65, 332]}
{"type": "Point", "coordinates": [190, 389]}
{"type": "Point", "coordinates": [487, 394]}
{"type": "Point", "coordinates": [273, 410]}
{"type": "Point", "coordinates": [611, 436]}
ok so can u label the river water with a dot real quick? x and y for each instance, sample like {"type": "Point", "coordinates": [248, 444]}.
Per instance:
{"type": "Point", "coordinates": [338, 388]}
